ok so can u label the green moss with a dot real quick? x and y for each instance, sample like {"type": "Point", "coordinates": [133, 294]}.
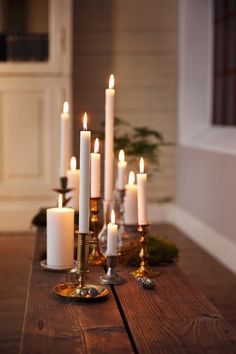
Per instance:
{"type": "Point", "coordinates": [160, 250]}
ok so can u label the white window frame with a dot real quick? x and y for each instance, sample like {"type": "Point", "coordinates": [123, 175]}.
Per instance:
{"type": "Point", "coordinates": [195, 81]}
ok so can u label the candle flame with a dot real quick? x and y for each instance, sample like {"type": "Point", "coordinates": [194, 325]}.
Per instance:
{"type": "Point", "coordinates": [141, 165]}
{"type": "Point", "coordinates": [121, 156]}
{"type": "Point", "coordinates": [66, 107]}
{"type": "Point", "coordinates": [96, 145]}
{"type": "Point", "coordinates": [60, 201]}
{"type": "Point", "coordinates": [73, 163]}
{"type": "Point", "coordinates": [85, 119]}
{"type": "Point", "coordinates": [113, 217]}
{"type": "Point", "coordinates": [131, 178]}
{"type": "Point", "coordinates": [111, 81]}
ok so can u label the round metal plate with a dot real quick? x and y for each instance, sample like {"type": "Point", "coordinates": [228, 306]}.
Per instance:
{"type": "Point", "coordinates": [68, 291]}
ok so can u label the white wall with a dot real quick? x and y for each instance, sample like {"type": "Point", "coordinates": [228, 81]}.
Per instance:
{"type": "Point", "coordinates": [137, 40]}
{"type": "Point", "coordinates": [206, 183]}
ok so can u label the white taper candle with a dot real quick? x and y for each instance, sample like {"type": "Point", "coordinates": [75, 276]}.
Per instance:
{"type": "Point", "coordinates": [85, 142]}
{"type": "Point", "coordinates": [121, 171]}
{"type": "Point", "coordinates": [112, 235]}
{"type": "Point", "coordinates": [142, 194]}
{"type": "Point", "coordinates": [73, 176]}
{"type": "Point", "coordinates": [65, 140]}
{"type": "Point", "coordinates": [96, 171]}
{"type": "Point", "coordinates": [130, 201]}
{"type": "Point", "coordinates": [109, 140]}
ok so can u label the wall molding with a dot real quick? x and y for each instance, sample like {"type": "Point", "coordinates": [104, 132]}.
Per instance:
{"type": "Point", "coordinates": [202, 234]}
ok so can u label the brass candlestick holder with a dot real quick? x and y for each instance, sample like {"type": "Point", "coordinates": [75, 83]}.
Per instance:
{"type": "Point", "coordinates": [111, 277]}
{"type": "Point", "coordinates": [80, 291]}
{"type": "Point", "coordinates": [102, 236]}
{"type": "Point", "coordinates": [95, 257]}
{"type": "Point", "coordinates": [144, 269]}
{"type": "Point", "coordinates": [63, 190]}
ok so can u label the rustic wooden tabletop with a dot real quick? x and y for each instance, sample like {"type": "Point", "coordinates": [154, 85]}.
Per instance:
{"type": "Point", "coordinates": [173, 318]}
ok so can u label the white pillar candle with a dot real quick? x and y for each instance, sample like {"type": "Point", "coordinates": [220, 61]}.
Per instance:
{"type": "Point", "coordinates": [109, 140]}
{"type": "Point", "coordinates": [96, 171]}
{"type": "Point", "coordinates": [60, 237]}
{"type": "Point", "coordinates": [84, 201]}
{"type": "Point", "coordinates": [112, 235]}
{"type": "Point", "coordinates": [65, 140]}
{"type": "Point", "coordinates": [73, 176]}
{"type": "Point", "coordinates": [121, 171]}
{"type": "Point", "coordinates": [130, 202]}
{"type": "Point", "coordinates": [142, 194]}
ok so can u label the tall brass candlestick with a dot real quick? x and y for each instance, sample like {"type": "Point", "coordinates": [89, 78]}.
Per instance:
{"type": "Point", "coordinates": [81, 291]}
{"type": "Point", "coordinates": [95, 257]}
{"type": "Point", "coordinates": [144, 269]}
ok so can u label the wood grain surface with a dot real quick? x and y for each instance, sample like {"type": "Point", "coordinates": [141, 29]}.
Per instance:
{"type": "Point", "coordinates": [57, 326]}
{"type": "Point", "coordinates": [174, 317]}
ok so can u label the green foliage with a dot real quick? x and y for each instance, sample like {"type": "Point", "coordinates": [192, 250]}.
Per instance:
{"type": "Point", "coordinates": [136, 141]}
{"type": "Point", "coordinates": [161, 251]}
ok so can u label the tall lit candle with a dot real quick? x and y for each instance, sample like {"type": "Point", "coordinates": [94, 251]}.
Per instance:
{"type": "Point", "coordinates": [73, 176]}
{"type": "Point", "coordinates": [121, 171]}
{"type": "Point", "coordinates": [65, 140]}
{"type": "Point", "coordinates": [130, 201]}
{"type": "Point", "coordinates": [96, 171]}
{"type": "Point", "coordinates": [142, 194]}
{"type": "Point", "coordinates": [112, 235]}
{"type": "Point", "coordinates": [109, 139]}
{"type": "Point", "coordinates": [60, 236]}
{"type": "Point", "coordinates": [84, 200]}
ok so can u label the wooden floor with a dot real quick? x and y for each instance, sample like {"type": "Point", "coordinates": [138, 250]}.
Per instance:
{"type": "Point", "coordinates": [216, 282]}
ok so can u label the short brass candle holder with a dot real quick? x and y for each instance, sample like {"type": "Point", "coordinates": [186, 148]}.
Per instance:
{"type": "Point", "coordinates": [81, 291]}
{"type": "Point", "coordinates": [63, 190]}
{"type": "Point", "coordinates": [144, 269]}
{"type": "Point", "coordinates": [111, 277]}
{"type": "Point", "coordinates": [96, 258]}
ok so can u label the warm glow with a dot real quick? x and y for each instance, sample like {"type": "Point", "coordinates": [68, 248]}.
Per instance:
{"type": "Point", "coordinates": [141, 165]}
{"type": "Point", "coordinates": [85, 119]}
{"type": "Point", "coordinates": [60, 201]}
{"type": "Point", "coordinates": [111, 81]}
{"type": "Point", "coordinates": [66, 107]}
{"type": "Point", "coordinates": [113, 217]}
{"type": "Point", "coordinates": [96, 146]}
{"type": "Point", "coordinates": [73, 163]}
{"type": "Point", "coordinates": [121, 156]}
{"type": "Point", "coordinates": [131, 178]}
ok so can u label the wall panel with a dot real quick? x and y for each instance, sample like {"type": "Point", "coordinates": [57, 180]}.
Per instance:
{"type": "Point", "coordinates": [137, 40]}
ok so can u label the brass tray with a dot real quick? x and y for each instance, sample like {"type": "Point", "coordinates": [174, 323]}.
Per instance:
{"type": "Point", "coordinates": [68, 291]}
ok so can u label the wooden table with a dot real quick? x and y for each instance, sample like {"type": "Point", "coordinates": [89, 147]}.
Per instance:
{"type": "Point", "coordinates": [173, 318]}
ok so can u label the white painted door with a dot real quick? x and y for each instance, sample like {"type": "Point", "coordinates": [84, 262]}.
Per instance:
{"type": "Point", "coordinates": [31, 100]}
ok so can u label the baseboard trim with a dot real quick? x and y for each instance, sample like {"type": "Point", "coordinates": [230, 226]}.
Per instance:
{"type": "Point", "coordinates": [210, 240]}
